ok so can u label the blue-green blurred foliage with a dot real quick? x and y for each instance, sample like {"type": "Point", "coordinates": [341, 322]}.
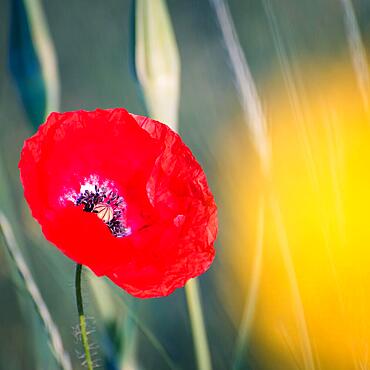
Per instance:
{"type": "Point", "coordinates": [24, 64]}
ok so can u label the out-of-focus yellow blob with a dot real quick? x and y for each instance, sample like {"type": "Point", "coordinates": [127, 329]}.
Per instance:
{"type": "Point", "coordinates": [312, 304]}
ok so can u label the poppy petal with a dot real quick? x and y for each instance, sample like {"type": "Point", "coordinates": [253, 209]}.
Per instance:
{"type": "Point", "coordinates": [123, 195]}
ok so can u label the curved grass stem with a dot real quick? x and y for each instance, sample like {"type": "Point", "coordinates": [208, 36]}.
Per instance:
{"type": "Point", "coordinates": [82, 319]}
{"type": "Point", "coordinates": [9, 240]}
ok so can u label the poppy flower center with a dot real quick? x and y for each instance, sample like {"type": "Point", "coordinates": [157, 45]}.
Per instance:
{"type": "Point", "coordinates": [107, 204]}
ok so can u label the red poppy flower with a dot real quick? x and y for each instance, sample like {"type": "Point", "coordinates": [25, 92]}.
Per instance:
{"type": "Point", "coordinates": [123, 195]}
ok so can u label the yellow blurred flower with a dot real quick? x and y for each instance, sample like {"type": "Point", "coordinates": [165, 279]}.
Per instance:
{"type": "Point", "coordinates": [307, 275]}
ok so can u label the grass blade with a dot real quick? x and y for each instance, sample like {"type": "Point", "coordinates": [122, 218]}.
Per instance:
{"type": "Point", "coordinates": [357, 51]}
{"type": "Point", "coordinates": [251, 298]}
{"type": "Point", "coordinates": [197, 325]}
{"type": "Point", "coordinates": [120, 330]}
{"type": "Point", "coordinates": [32, 60]}
{"type": "Point", "coordinates": [256, 122]}
{"type": "Point", "coordinates": [147, 332]}
{"type": "Point", "coordinates": [10, 242]}
{"type": "Point", "coordinates": [247, 91]}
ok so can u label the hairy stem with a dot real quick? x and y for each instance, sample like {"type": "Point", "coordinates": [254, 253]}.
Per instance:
{"type": "Point", "coordinates": [82, 319]}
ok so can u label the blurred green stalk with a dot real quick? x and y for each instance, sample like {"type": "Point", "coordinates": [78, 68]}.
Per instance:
{"type": "Point", "coordinates": [150, 336]}
{"type": "Point", "coordinates": [197, 325]}
{"type": "Point", "coordinates": [157, 68]}
{"type": "Point", "coordinates": [256, 121]}
{"type": "Point", "coordinates": [357, 51]}
{"type": "Point", "coordinates": [46, 53]}
{"type": "Point", "coordinates": [251, 298]}
{"type": "Point", "coordinates": [51, 329]}
{"type": "Point", "coordinates": [32, 60]}
{"type": "Point", "coordinates": [120, 328]}
{"type": "Point", "coordinates": [110, 308]}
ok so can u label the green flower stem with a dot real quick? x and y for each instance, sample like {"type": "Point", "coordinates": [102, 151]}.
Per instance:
{"type": "Point", "coordinates": [80, 308]}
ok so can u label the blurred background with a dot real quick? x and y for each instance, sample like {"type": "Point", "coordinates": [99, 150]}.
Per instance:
{"type": "Point", "coordinates": [272, 96]}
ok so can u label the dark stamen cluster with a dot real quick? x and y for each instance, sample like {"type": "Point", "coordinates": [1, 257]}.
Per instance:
{"type": "Point", "coordinates": [89, 199]}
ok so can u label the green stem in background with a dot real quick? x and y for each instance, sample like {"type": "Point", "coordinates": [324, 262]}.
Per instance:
{"type": "Point", "coordinates": [10, 242]}
{"type": "Point", "coordinates": [82, 319]}
{"type": "Point", "coordinates": [256, 120]}
{"type": "Point", "coordinates": [45, 52]}
{"type": "Point", "coordinates": [150, 336]}
{"type": "Point", "coordinates": [242, 340]}
{"type": "Point", "coordinates": [197, 325]}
